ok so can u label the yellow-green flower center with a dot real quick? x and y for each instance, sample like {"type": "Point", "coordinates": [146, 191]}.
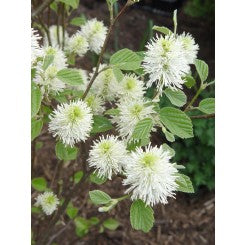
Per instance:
{"type": "Point", "coordinates": [149, 160]}
{"type": "Point", "coordinates": [130, 84]}
{"type": "Point", "coordinates": [136, 110]}
{"type": "Point", "coordinates": [50, 200]}
{"type": "Point", "coordinates": [105, 147]}
{"type": "Point", "coordinates": [75, 114]}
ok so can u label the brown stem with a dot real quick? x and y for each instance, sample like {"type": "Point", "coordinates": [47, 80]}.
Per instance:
{"type": "Point", "coordinates": [103, 50]}
{"type": "Point", "coordinates": [40, 8]}
{"type": "Point", "coordinates": [203, 116]}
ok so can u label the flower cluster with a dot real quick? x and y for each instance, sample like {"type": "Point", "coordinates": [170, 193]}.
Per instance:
{"type": "Point", "coordinates": [71, 122]}
{"type": "Point", "coordinates": [48, 201]}
{"type": "Point", "coordinates": [168, 59]}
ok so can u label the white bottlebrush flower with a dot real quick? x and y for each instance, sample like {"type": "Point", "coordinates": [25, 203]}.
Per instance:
{"type": "Point", "coordinates": [106, 84]}
{"type": "Point", "coordinates": [35, 48]}
{"type": "Point", "coordinates": [107, 155]}
{"type": "Point", "coordinates": [165, 63]}
{"type": "Point", "coordinates": [189, 47]}
{"type": "Point", "coordinates": [48, 201]}
{"type": "Point", "coordinates": [152, 178]}
{"type": "Point", "coordinates": [131, 86]}
{"type": "Point", "coordinates": [60, 60]}
{"type": "Point", "coordinates": [54, 36]}
{"type": "Point", "coordinates": [71, 122]}
{"type": "Point", "coordinates": [47, 79]}
{"type": "Point", "coordinates": [95, 33]}
{"type": "Point", "coordinates": [96, 103]}
{"type": "Point", "coordinates": [131, 112]}
{"type": "Point", "coordinates": [78, 44]}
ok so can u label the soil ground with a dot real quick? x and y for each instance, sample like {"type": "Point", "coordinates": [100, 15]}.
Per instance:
{"type": "Point", "coordinates": [188, 220]}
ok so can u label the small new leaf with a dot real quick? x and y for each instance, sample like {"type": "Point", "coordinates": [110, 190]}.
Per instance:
{"type": "Point", "coordinates": [184, 184]}
{"type": "Point", "coordinates": [162, 29]}
{"type": "Point", "coordinates": [99, 197]}
{"type": "Point", "coordinates": [111, 224]}
{"type": "Point", "coordinates": [39, 184]}
{"type": "Point", "coordinates": [202, 69]}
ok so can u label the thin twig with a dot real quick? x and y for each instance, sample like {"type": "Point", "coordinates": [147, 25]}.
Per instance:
{"type": "Point", "coordinates": [59, 232]}
{"type": "Point", "coordinates": [103, 50]}
{"type": "Point", "coordinates": [203, 116]}
{"type": "Point", "coordinates": [40, 8]}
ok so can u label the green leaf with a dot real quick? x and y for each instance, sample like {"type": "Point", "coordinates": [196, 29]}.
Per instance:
{"type": "Point", "coordinates": [113, 112]}
{"type": "Point", "coordinates": [36, 210]}
{"type": "Point", "coordinates": [71, 212]}
{"type": "Point", "coordinates": [99, 197]}
{"type": "Point", "coordinates": [207, 105]}
{"type": "Point", "coordinates": [177, 122]}
{"type": "Point", "coordinates": [36, 128]}
{"type": "Point", "coordinates": [184, 183]}
{"type": "Point", "coordinates": [117, 73]}
{"type": "Point", "coordinates": [189, 81]}
{"type": "Point", "coordinates": [39, 184]}
{"type": "Point", "coordinates": [169, 149]}
{"type": "Point", "coordinates": [142, 129]}
{"type": "Point", "coordinates": [177, 97]}
{"type": "Point", "coordinates": [65, 153]}
{"type": "Point", "coordinates": [53, 6]}
{"type": "Point", "coordinates": [162, 29]}
{"type": "Point", "coordinates": [48, 59]}
{"type": "Point", "coordinates": [101, 124]}
{"type": "Point", "coordinates": [169, 136]}
{"type": "Point", "coordinates": [126, 59]}
{"type": "Point", "coordinates": [78, 21]}
{"type": "Point", "coordinates": [96, 179]}
{"type": "Point", "coordinates": [78, 176]}
{"type": "Point", "coordinates": [82, 226]}
{"type": "Point", "coordinates": [94, 220]}
{"type": "Point", "coordinates": [73, 3]}
{"type": "Point", "coordinates": [202, 69]}
{"type": "Point", "coordinates": [111, 224]}
{"type": "Point", "coordinates": [70, 76]}
{"type": "Point", "coordinates": [36, 99]}
{"type": "Point", "coordinates": [141, 216]}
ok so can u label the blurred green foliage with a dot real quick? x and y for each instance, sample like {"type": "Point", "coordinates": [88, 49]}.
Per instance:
{"type": "Point", "coordinates": [200, 8]}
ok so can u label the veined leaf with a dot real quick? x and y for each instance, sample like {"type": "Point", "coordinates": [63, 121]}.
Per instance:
{"type": "Point", "coordinates": [141, 216]}
{"type": "Point", "coordinates": [202, 69]}
{"type": "Point", "coordinates": [36, 99]}
{"type": "Point", "coordinates": [101, 124]}
{"type": "Point", "coordinates": [177, 122]}
{"type": "Point", "coordinates": [99, 197]}
{"type": "Point", "coordinates": [142, 129]}
{"type": "Point", "coordinates": [162, 29]}
{"type": "Point", "coordinates": [207, 105]}
{"type": "Point", "coordinates": [177, 97]}
{"type": "Point", "coordinates": [126, 59]}
{"type": "Point", "coordinates": [70, 76]}
{"type": "Point", "coordinates": [184, 183]}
